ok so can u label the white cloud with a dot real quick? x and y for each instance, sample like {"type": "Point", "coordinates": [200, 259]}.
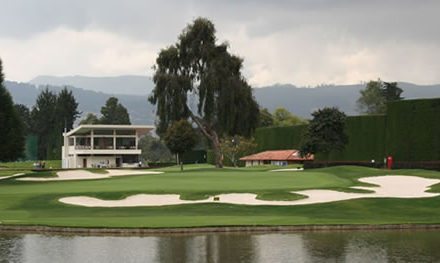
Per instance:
{"type": "Point", "coordinates": [279, 44]}
{"type": "Point", "coordinates": [68, 52]}
{"type": "Point", "coordinates": [312, 55]}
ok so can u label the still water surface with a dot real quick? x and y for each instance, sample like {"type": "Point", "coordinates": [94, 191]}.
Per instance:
{"type": "Point", "coordinates": [355, 246]}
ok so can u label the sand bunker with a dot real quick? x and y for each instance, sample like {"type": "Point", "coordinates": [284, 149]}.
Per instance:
{"type": "Point", "coordinates": [394, 186]}
{"type": "Point", "coordinates": [88, 175]}
{"type": "Point", "coordinates": [10, 176]}
{"type": "Point", "coordinates": [287, 170]}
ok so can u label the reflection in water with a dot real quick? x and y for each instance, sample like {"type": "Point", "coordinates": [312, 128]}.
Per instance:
{"type": "Point", "coordinates": [354, 246]}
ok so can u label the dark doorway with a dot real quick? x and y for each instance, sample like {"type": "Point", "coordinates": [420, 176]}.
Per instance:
{"type": "Point", "coordinates": [85, 163]}
{"type": "Point", "coordinates": [118, 161]}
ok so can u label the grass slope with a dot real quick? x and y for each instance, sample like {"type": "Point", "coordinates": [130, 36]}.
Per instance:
{"type": "Point", "coordinates": [35, 203]}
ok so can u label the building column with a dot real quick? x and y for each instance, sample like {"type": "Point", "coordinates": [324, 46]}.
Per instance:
{"type": "Point", "coordinates": [114, 139]}
{"type": "Point", "coordinates": [92, 140]}
{"type": "Point", "coordinates": [137, 140]}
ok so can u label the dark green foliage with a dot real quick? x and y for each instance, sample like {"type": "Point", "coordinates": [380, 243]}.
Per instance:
{"type": "Point", "coordinates": [197, 67]}
{"type": "Point", "coordinates": [31, 148]}
{"type": "Point", "coordinates": [25, 116]}
{"type": "Point", "coordinates": [282, 117]}
{"type": "Point", "coordinates": [233, 148]}
{"type": "Point", "coordinates": [180, 137]}
{"type": "Point", "coordinates": [50, 115]}
{"type": "Point", "coordinates": [409, 132]}
{"type": "Point", "coordinates": [279, 138]}
{"type": "Point", "coordinates": [391, 92]}
{"type": "Point", "coordinates": [154, 150]}
{"type": "Point", "coordinates": [43, 123]}
{"type": "Point", "coordinates": [11, 127]}
{"type": "Point", "coordinates": [371, 100]}
{"type": "Point", "coordinates": [266, 118]}
{"type": "Point", "coordinates": [376, 95]}
{"type": "Point", "coordinates": [90, 119]}
{"type": "Point", "coordinates": [66, 112]}
{"type": "Point", "coordinates": [325, 132]}
{"type": "Point", "coordinates": [194, 156]}
{"type": "Point", "coordinates": [366, 140]}
{"type": "Point", "coordinates": [114, 113]}
{"type": "Point", "coordinates": [413, 130]}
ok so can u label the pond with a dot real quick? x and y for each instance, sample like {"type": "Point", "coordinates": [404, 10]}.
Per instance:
{"type": "Point", "coordinates": [347, 246]}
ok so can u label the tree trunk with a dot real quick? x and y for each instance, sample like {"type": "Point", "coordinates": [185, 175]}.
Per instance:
{"type": "Point", "coordinates": [212, 136]}
{"type": "Point", "coordinates": [217, 152]}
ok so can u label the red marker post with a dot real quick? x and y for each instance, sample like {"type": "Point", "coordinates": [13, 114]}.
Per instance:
{"type": "Point", "coordinates": [390, 162]}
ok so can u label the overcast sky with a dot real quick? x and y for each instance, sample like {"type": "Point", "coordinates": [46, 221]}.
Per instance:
{"type": "Point", "coordinates": [304, 43]}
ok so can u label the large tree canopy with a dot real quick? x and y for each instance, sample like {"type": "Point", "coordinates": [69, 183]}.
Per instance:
{"type": "Point", "coordinates": [11, 126]}
{"type": "Point", "coordinates": [283, 117]}
{"type": "Point", "coordinates": [180, 138]}
{"type": "Point", "coordinates": [196, 70]}
{"type": "Point", "coordinates": [374, 98]}
{"type": "Point", "coordinates": [326, 132]}
{"type": "Point", "coordinates": [114, 112]}
{"type": "Point", "coordinates": [51, 114]}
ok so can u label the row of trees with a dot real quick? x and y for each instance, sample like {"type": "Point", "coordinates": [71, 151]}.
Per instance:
{"type": "Point", "coordinates": [51, 114]}
{"type": "Point", "coordinates": [112, 112]}
{"type": "Point", "coordinates": [48, 118]}
{"type": "Point", "coordinates": [376, 95]}
{"type": "Point", "coordinates": [12, 138]}
{"type": "Point", "coordinates": [280, 117]}
{"type": "Point", "coordinates": [197, 67]}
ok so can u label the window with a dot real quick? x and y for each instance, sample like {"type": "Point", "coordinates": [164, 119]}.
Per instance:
{"type": "Point", "coordinates": [125, 143]}
{"type": "Point", "coordinates": [103, 132]}
{"type": "Point", "coordinates": [126, 132]}
{"type": "Point", "coordinates": [103, 143]}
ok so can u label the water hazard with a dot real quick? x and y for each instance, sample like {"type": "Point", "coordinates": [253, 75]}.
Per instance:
{"type": "Point", "coordinates": [350, 246]}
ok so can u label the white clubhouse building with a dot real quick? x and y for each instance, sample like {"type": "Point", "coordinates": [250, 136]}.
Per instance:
{"type": "Point", "coordinates": [89, 146]}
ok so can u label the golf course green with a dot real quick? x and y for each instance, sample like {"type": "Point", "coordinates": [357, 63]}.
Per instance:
{"type": "Point", "coordinates": [36, 203]}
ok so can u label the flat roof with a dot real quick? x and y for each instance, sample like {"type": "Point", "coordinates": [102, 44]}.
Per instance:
{"type": "Point", "coordinates": [84, 128]}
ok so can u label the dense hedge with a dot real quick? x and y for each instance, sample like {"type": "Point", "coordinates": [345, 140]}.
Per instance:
{"type": "Point", "coordinates": [366, 135]}
{"type": "Point", "coordinates": [410, 132]}
{"type": "Point", "coordinates": [279, 138]}
{"type": "Point", "coordinates": [31, 147]}
{"type": "Point", "coordinates": [413, 130]}
{"type": "Point", "coordinates": [194, 156]}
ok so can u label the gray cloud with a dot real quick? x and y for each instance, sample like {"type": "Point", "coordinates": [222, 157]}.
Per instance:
{"type": "Point", "coordinates": [304, 42]}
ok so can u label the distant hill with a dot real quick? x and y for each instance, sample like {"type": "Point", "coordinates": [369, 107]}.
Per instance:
{"type": "Point", "coordinates": [140, 110]}
{"type": "Point", "coordinates": [89, 92]}
{"type": "Point", "coordinates": [129, 85]}
{"type": "Point", "coordinates": [303, 101]}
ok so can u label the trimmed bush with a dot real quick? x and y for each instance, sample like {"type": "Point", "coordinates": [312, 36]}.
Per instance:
{"type": "Point", "coordinates": [279, 138]}
{"type": "Point", "coordinates": [366, 140]}
{"type": "Point", "coordinates": [410, 132]}
{"type": "Point", "coordinates": [413, 130]}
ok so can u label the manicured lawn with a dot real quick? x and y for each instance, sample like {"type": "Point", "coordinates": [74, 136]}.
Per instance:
{"type": "Point", "coordinates": [53, 164]}
{"type": "Point", "coordinates": [36, 203]}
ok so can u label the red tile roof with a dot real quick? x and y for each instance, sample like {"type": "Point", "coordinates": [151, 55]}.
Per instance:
{"type": "Point", "coordinates": [279, 155]}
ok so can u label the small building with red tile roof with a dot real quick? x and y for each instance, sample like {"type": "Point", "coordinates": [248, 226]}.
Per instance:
{"type": "Point", "coordinates": [277, 157]}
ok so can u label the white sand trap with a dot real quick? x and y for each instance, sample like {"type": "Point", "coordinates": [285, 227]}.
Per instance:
{"type": "Point", "coordinates": [394, 186]}
{"type": "Point", "coordinates": [10, 176]}
{"type": "Point", "coordinates": [287, 170]}
{"type": "Point", "coordinates": [88, 175]}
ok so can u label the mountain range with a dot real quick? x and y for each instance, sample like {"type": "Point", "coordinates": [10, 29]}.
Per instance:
{"type": "Point", "coordinates": [132, 91]}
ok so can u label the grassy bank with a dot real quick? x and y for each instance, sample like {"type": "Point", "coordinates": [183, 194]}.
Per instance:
{"type": "Point", "coordinates": [50, 164]}
{"type": "Point", "coordinates": [36, 203]}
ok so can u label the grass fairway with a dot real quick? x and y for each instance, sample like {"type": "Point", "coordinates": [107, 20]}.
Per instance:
{"type": "Point", "coordinates": [36, 203]}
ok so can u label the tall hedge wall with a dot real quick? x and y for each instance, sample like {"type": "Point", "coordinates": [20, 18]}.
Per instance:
{"type": "Point", "coordinates": [366, 135]}
{"type": "Point", "coordinates": [410, 131]}
{"type": "Point", "coordinates": [279, 138]}
{"type": "Point", "coordinates": [413, 130]}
